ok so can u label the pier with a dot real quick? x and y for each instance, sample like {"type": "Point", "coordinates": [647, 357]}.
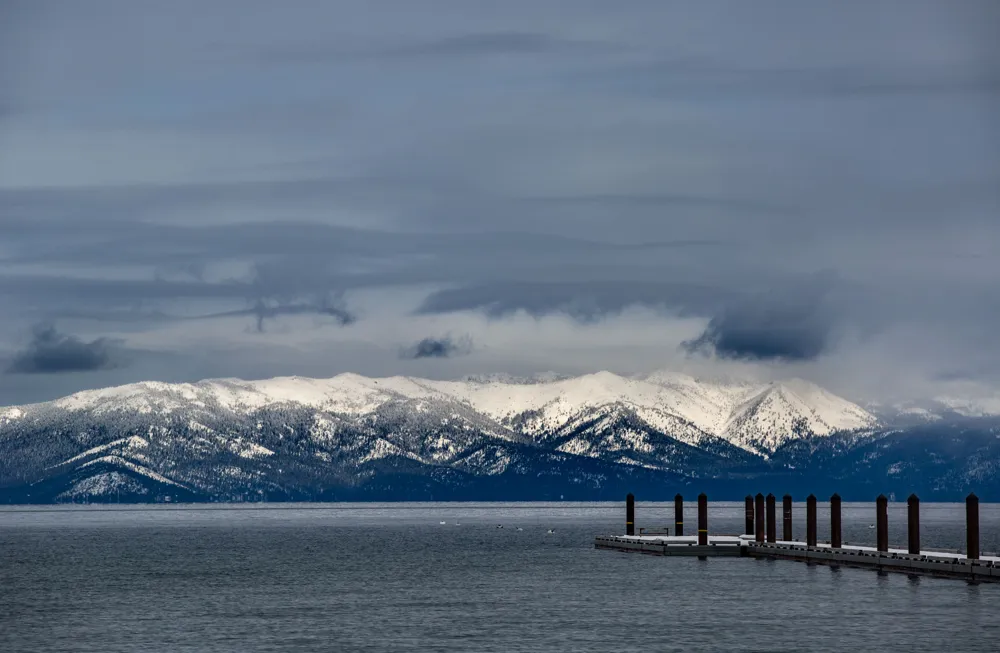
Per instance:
{"type": "Point", "coordinates": [760, 540]}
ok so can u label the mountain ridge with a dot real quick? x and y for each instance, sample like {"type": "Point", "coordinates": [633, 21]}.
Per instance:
{"type": "Point", "coordinates": [350, 436]}
{"type": "Point", "coordinates": [537, 405]}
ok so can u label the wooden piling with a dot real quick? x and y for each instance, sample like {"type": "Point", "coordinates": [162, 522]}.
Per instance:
{"type": "Point", "coordinates": [772, 527]}
{"type": "Point", "coordinates": [811, 520]}
{"type": "Point", "coordinates": [759, 517]}
{"type": "Point", "coordinates": [630, 514]}
{"type": "Point", "coordinates": [972, 527]}
{"type": "Point", "coordinates": [835, 533]}
{"type": "Point", "coordinates": [882, 523]}
{"type": "Point", "coordinates": [748, 510]}
{"type": "Point", "coordinates": [913, 524]}
{"type": "Point", "coordinates": [786, 518]}
{"type": "Point", "coordinates": [702, 519]}
{"type": "Point", "coordinates": [678, 515]}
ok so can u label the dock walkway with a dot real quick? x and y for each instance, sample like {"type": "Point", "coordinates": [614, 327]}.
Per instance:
{"type": "Point", "coordinates": [930, 563]}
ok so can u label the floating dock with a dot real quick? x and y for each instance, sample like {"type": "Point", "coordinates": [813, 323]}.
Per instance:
{"type": "Point", "coordinates": [761, 541]}
{"type": "Point", "coordinates": [718, 545]}
{"type": "Point", "coordinates": [929, 563]}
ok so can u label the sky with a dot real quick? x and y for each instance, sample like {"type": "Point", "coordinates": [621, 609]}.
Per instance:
{"type": "Point", "coordinates": [245, 188]}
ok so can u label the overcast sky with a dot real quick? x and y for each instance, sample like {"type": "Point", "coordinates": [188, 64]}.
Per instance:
{"type": "Point", "coordinates": [208, 188]}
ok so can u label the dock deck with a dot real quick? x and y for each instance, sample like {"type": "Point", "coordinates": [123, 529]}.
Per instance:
{"type": "Point", "coordinates": [718, 545]}
{"type": "Point", "coordinates": [931, 563]}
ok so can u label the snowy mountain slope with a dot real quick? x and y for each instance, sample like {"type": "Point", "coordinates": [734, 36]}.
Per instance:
{"type": "Point", "coordinates": [548, 406]}
{"type": "Point", "coordinates": [347, 393]}
{"type": "Point", "coordinates": [791, 410]}
{"type": "Point", "coordinates": [293, 436]}
{"type": "Point", "coordinates": [716, 399]}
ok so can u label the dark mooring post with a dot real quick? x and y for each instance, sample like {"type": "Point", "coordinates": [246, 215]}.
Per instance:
{"type": "Point", "coordinates": [759, 517]}
{"type": "Point", "coordinates": [749, 514]}
{"type": "Point", "coordinates": [835, 540]}
{"type": "Point", "coordinates": [811, 520]}
{"type": "Point", "coordinates": [702, 519]}
{"type": "Point", "coordinates": [786, 518]}
{"type": "Point", "coordinates": [882, 523]}
{"type": "Point", "coordinates": [772, 527]}
{"type": "Point", "coordinates": [630, 514]}
{"type": "Point", "coordinates": [678, 515]}
{"type": "Point", "coordinates": [972, 527]}
{"type": "Point", "coordinates": [913, 524]}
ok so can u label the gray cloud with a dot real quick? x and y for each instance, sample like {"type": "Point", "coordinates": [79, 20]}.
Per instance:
{"type": "Point", "coordinates": [582, 301]}
{"type": "Point", "coordinates": [665, 201]}
{"type": "Point", "coordinates": [445, 347]}
{"type": "Point", "coordinates": [292, 267]}
{"type": "Point", "coordinates": [52, 352]}
{"type": "Point", "coordinates": [707, 78]}
{"type": "Point", "coordinates": [488, 43]}
{"type": "Point", "coordinates": [442, 48]}
{"type": "Point", "coordinates": [329, 307]}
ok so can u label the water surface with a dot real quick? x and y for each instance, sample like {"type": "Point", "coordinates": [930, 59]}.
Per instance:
{"type": "Point", "coordinates": [391, 577]}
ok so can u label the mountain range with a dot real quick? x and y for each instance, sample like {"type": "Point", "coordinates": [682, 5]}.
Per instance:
{"type": "Point", "coordinates": [595, 436]}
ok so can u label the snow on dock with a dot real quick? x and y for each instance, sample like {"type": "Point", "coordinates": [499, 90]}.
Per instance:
{"type": "Point", "coordinates": [718, 545]}
{"type": "Point", "coordinates": [932, 563]}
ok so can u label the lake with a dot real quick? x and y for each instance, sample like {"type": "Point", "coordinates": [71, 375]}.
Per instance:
{"type": "Point", "coordinates": [391, 577]}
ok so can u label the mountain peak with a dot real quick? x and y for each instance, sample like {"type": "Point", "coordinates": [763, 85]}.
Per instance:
{"type": "Point", "coordinates": [785, 410]}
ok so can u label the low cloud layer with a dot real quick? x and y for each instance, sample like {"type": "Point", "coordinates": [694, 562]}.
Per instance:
{"type": "Point", "coordinates": [52, 352]}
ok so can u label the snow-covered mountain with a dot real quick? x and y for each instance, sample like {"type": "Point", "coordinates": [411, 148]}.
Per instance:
{"type": "Point", "coordinates": [296, 436]}
{"type": "Point", "coordinates": [754, 417]}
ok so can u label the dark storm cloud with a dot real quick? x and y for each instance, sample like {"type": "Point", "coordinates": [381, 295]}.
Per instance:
{"type": "Point", "coordinates": [446, 347]}
{"type": "Point", "coordinates": [52, 352]}
{"type": "Point", "coordinates": [763, 333]}
{"type": "Point", "coordinates": [796, 322]}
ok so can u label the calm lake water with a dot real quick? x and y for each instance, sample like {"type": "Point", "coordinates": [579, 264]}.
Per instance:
{"type": "Point", "coordinates": [370, 577]}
